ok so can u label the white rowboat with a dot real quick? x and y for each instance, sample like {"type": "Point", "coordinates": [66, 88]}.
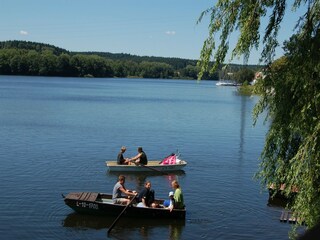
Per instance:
{"type": "Point", "coordinates": [152, 166]}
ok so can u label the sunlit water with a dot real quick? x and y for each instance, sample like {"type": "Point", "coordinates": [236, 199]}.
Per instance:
{"type": "Point", "coordinates": [56, 134]}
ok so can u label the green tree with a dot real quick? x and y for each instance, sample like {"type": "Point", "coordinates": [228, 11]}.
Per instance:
{"type": "Point", "coordinates": [155, 70]}
{"type": "Point", "coordinates": [190, 71]}
{"type": "Point", "coordinates": [33, 62]}
{"type": "Point", "coordinates": [48, 64]}
{"type": "Point", "coordinates": [244, 75]}
{"type": "Point", "coordinates": [5, 58]}
{"type": "Point", "coordinates": [63, 65]}
{"type": "Point", "coordinates": [290, 90]}
{"type": "Point", "coordinates": [131, 68]}
{"type": "Point", "coordinates": [19, 64]}
{"type": "Point", "coordinates": [78, 65]}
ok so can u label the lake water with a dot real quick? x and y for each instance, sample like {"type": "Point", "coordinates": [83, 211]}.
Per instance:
{"type": "Point", "coordinates": [57, 133]}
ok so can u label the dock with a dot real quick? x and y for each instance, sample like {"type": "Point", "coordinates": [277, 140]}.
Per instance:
{"type": "Point", "coordinates": [289, 216]}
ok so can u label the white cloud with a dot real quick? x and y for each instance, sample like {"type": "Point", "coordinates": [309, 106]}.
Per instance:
{"type": "Point", "coordinates": [22, 32]}
{"type": "Point", "coordinates": [170, 32]}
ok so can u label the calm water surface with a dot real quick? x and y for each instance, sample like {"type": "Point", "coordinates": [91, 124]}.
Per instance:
{"type": "Point", "coordinates": [56, 134]}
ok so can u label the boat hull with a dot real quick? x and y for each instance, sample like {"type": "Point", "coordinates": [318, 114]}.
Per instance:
{"type": "Point", "coordinates": [152, 166]}
{"type": "Point", "coordinates": [228, 83]}
{"type": "Point", "coordinates": [101, 204]}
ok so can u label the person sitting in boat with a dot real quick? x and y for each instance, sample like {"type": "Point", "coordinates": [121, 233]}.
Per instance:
{"type": "Point", "coordinates": [170, 202]}
{"type": "Point", "coordinates": [146, 196]}
{"type": "Point", "coordinates": [178, 196]}
{"type": "Point", "coordinates": [120, 194]}
{"type": "Point", "coordinates": [120, 159]}
{"type": "Point", "coordinates": [140, 158]}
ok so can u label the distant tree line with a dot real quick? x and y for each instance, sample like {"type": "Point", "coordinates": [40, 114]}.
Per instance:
{"type": "Point", "coordinates": [38, 59]}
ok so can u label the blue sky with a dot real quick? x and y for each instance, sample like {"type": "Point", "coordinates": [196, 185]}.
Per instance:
{"type": "Point", "coordinates": [165, 28]}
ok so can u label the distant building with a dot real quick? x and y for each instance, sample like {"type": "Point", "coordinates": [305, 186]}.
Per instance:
{"type": "Point", "coordinates": [257, 76]}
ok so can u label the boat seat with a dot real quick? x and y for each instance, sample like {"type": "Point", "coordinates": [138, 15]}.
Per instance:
{"type": "Point", "coordinates": [105, 200]}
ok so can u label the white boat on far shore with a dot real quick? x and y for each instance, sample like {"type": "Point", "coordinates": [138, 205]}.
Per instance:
{"type": "Point", "coordinates": [227, 83]}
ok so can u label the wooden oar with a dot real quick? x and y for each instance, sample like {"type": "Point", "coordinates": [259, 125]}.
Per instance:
{"type": "Point", "coordinates": [115, 221]}
{"type": "Point", "coordinates": [165, 173]}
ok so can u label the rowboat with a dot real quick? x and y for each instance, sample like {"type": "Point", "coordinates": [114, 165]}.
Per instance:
{"type": "Point", "coordinates": [168, 164]}
{"type": "Point", "coordinates": [101, 204]}
{"type": "Point", "coordinates": [151, 166]}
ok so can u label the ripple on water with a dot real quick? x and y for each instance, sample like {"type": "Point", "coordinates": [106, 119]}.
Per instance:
{"type": "Point", "coordinates": [58, 132]}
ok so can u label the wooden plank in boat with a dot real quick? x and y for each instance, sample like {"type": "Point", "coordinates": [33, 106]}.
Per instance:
{"type": "Point", "coordinates": [74, 196]}
{"type": "Point", "coordinates": [83, 196]}
{"type": "Point", "coordinates": [89, 196]}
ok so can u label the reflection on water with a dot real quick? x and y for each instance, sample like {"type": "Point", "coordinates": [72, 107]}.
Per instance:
{"type": "Point", "coordinates": [242, 127]}
{"type": "Point", "coordinates": [56, 134]}
{"type": "Point", "coordinates": [139, 178]}
{"type": "Point", "coordinates": [171, 228]}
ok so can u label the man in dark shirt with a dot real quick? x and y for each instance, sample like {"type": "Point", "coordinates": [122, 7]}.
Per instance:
{"type": "Point", "coordinates": [140, 158]}
{"type": "Point", "coordinates": [120, 159]}
{"type": "Point", "coordinates": [146, 196]}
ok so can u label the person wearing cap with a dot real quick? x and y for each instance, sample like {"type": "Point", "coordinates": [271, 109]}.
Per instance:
{"type": "Point", "coordinates": [120, 159]}
{"type": "Point", "coordinates": [178, 196]}
{"type": "Point", "coordinates": [140, 158]}
{"type": "Point", "coordinates": [146, 196]}
{"type": "Point", "coordinates": [170, 202]}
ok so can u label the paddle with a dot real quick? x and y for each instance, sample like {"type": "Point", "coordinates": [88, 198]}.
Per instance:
{"type": "Point", "coordinates": [115, 221]}
{"type": "Point", "coordinates": [165, 173]}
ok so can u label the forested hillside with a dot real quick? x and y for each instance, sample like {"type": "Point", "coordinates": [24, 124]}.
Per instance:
{"type": "Point", "coordinates": [39, 59]}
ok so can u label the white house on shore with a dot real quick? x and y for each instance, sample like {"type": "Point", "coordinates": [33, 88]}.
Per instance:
{"type": "Point", "coordinates": [257, 76]}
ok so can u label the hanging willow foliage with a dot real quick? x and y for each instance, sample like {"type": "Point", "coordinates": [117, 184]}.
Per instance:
{"type": "Point", "coordinates": [290, 91]}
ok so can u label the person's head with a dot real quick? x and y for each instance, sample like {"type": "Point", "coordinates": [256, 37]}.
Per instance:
{"type": "Point", "coordinates": [171, 194]}
{"type": "Point", "coordinates": [147, 184]}
{"type": "Point", "coordinates": [123, 149]}
{"type": "Point", "coordinates": [140, 149]}
{"type": "Point", "coordinates": [175, 184]}
{"type": "Point", "coordinates": [121, 179]}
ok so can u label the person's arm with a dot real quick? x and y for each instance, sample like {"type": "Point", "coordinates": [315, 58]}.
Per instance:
{"type": "Point", "coordinates": [119, 160]}
{"type": "Point", "coordinates": [143, 200]}
{"type": "Point", "coordinates": [171, 207]}
{"type": "Point", "coordinates": [173, 202]}
{"type": "Point", "coordinates": [127, 161]}
{"type": "Point", "coordinates": [127, 192]}
{"type": "Point", "coordinates": [144, 197]}
{"type": "Point", "coordinates": [136, 157]}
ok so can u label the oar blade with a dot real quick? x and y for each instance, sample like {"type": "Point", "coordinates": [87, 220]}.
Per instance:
{"type": "Point", "coordinates": [116, 220]}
